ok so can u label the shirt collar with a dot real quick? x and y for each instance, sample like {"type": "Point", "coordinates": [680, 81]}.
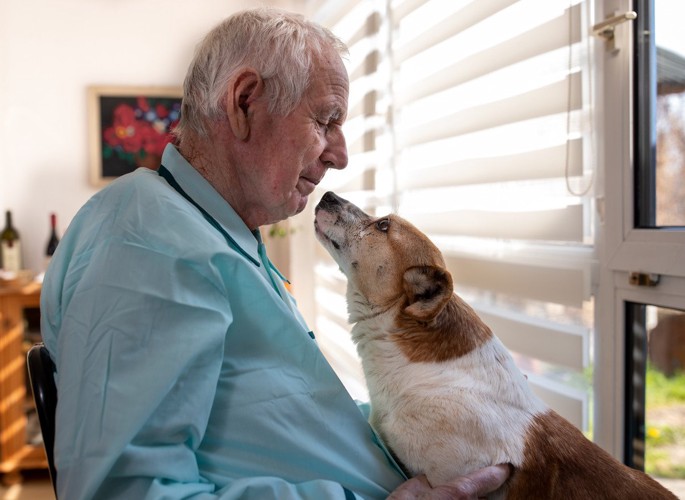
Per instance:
{"type": "Point", "coordinates": [204, 194]}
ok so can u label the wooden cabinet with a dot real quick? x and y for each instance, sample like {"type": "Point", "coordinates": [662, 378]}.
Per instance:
{"type": "Point", "coordinates": [15, 452]}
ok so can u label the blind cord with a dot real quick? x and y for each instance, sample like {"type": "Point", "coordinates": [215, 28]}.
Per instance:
{"type": "Point", "coordinates": [569, 104]}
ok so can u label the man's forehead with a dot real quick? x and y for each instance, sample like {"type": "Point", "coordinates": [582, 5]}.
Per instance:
{"type": "Point", "coordinates": [330, 100]}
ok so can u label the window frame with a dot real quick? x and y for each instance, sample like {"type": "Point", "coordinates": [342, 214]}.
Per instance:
{"type": "Point", "coordinates": [624, 244]}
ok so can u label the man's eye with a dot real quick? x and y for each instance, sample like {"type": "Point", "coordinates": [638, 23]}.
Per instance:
{"type": "Point", "coordinates": [323, 126]}
{"type": "Point", "coordinates": [383, 225]}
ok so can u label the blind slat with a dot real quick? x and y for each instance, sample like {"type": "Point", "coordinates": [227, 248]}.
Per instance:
{"type": "Point", "coordinates": [402, 8]}
{"type": "Point", "coordinates": [519, 280]}
{"type": "Point", "coordinates": [522, 47]}
{"type": "Point", "coordinates": [540, 254]}
{"type": "Point", "coordinates": [545, 101]}
{"type": "Point", "coordinates": [546, 341]}
{"type": "Point", "coordinates": [471, 14]}
{"type": "Point", "coordinates": [542, 163]}
{"type": "Point", "coordinates": [564, 224]}
{"type": "Point", "coordinates": [501, 142]}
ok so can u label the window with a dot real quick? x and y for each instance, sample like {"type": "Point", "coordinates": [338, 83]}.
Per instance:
{"type": "Point", "coordinates": [469, 118]}
{"type": "Point", "coordinates": [660, 109]}
{"type": "Point", "coordinates": [547, 165]}
{"type": "Point", "coordinates": [641, 286]}
{"type": "Point", "coordinates": [654, 334]}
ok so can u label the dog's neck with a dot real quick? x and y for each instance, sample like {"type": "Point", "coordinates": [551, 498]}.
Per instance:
{"type": "Point", "coordinates": [361, 310]}
{"type": "Point", "coordinates": [453, 333]}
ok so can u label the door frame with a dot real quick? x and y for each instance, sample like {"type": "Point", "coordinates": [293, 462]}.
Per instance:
{"type": "Point", "coordinates": [621, 247]}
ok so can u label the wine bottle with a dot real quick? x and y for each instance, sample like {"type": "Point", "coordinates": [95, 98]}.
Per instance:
{"type": "Point", "coordinates": [52, 241]}
{"type": "Point", "coordinates": [10, 246]}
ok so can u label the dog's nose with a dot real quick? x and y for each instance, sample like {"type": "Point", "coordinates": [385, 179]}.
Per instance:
{"type": "Point", "coordinates": [329, 200]}
{"type": "Point", "coordinates": [330, 197]}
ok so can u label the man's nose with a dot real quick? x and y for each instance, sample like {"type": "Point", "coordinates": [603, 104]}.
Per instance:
{"type": "Point", "coordinates": [335, 154]}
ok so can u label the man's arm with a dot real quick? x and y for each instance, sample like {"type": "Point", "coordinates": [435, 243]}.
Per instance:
{"type": "Point", "coordinates": [139, 361]}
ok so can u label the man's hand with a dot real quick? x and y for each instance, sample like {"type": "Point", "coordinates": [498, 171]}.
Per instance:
{"type": "Point", "coordinates": [475, 485]}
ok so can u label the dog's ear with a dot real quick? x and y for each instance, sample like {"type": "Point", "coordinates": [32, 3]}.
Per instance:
{"type": "Point", "coordinates": [428, 288]}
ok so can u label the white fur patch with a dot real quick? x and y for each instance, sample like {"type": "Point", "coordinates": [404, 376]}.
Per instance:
{"type": "Point", "coordinates": [449, 418]}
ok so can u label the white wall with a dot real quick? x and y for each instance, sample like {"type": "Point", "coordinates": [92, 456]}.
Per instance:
{"type": "Point", "coordinates": [50, 52]}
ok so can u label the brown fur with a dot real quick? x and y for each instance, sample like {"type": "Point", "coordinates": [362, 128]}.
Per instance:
{"type": "Point", "coordinates": [560, 462]}
{"type": "Point", "coordinates": [434, 340]}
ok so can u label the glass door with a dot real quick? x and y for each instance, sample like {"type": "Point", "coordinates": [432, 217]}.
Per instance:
{"type": "Point", "coordinates": [655, 336]}
{"type": "Point", "coordinates": [639, 376]}
{"type": "Point", "coordinates": [660, 113]}
{"type": "Point", "coordinates": [655, 402]}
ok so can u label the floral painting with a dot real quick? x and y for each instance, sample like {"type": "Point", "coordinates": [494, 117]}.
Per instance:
{"type": "Point", "coordinates": [130, 128]}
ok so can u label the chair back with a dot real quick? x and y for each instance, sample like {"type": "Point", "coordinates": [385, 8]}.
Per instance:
{"type": "Point", "coordinates": [42, 377]}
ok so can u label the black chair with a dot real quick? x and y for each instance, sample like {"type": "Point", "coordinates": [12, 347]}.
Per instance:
{"type": "Point", "coordinates": [42, 377]}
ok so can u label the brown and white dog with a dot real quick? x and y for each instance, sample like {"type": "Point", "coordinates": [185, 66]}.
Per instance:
{"type": "Point", "coordinates": [446, 396]}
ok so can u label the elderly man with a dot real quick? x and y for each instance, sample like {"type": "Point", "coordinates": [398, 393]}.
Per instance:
{"type": "Point", "coordinates": [183, 367]}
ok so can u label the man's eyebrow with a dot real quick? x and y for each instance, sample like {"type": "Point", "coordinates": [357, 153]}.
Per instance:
{"type": "Point", "coordinates": [332, 112]}
{"type": "Point", "coordinates": [337, 112]}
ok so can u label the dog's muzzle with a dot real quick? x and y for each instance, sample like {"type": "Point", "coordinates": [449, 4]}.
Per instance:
{"type": "Point", "coordinates": [348, 211]}
{"type": "Point", "coordinates": [330, 202]}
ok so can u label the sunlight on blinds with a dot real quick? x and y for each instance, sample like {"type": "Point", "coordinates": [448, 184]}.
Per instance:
{"type": "Point", "coordinates": [471, 119]}
{"type": "Point", "coordinates": [368, 181]}
{"type": "Point", "coordinates": [490, 118]}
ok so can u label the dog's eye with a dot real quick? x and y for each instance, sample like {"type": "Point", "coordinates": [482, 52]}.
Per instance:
{"type": "Point", "coordinates": [383, 225]}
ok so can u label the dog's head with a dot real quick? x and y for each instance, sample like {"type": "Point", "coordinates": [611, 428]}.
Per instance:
{"type": "Point", "coordinates": [386, 260]}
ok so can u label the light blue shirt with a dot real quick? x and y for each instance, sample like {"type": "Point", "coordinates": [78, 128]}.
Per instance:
{"type": "Point", "coordinates": [183, 367]}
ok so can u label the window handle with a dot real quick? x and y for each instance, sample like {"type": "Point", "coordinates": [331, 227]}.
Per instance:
{"type": "Point", "coordinates": [606, 28]}
{"type": "Point", "coordinates": [643, 279]}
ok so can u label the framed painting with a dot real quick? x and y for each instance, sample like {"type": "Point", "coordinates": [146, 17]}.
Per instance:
{"type": "Point", "coordinates": [129, 128]}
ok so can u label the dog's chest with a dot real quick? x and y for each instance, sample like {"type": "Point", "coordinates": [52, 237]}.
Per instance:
{"type": "Point", "coordinates": [453, 416]}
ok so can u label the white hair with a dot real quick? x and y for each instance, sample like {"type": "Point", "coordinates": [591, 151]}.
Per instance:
{"type": "Point", "coordinates": [277, 44]}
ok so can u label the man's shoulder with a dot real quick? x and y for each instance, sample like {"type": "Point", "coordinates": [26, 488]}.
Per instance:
{"type": "Point", "coordinates": [143, 194]}
{"type": "Point", "coordinates": [140, 206]}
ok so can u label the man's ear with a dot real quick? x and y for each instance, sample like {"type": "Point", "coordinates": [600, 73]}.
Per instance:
{"type": "Point", "coordinates": [242, 91]}
{"type": "Point", "coordinates": [428, 289]}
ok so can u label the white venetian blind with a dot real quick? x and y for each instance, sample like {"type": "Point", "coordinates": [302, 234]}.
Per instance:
{"type": "Point", "coordinates": [367, 181]}
{"type": "Point", "coordinates": [470, 119]}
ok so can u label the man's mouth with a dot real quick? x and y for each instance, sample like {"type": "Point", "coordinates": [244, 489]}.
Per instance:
{"type": "Point", "coordinates": [306, 185]}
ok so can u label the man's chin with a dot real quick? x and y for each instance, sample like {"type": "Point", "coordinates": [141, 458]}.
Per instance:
{"type": "Point", "coordinates": [302, 204]}
{"type": "Point", "coordinates": [296, 203]}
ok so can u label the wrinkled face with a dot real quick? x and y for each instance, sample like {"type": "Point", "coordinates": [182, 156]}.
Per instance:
{"type": "Point", "coordinates": [374, 253]}
{"type": "Point", "coordinates": [295, 151]}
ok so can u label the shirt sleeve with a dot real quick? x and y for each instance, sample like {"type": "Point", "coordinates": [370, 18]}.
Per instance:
{"type": "Point", "coordinates": [139, 357]}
